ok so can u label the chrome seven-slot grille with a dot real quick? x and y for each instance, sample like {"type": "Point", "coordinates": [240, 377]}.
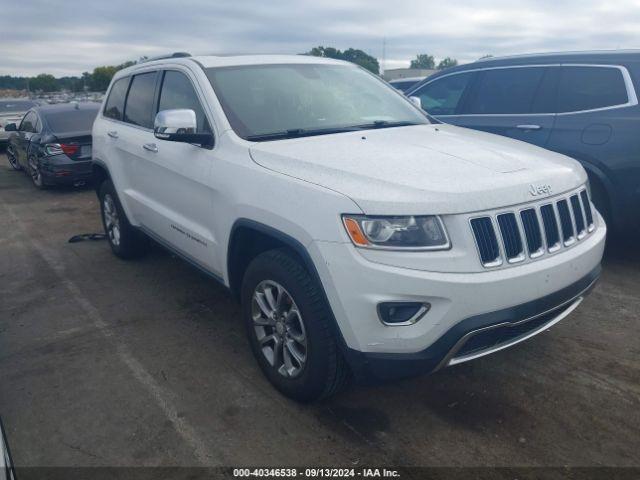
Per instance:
{"type": "Point", "coordinates": [532, 231]}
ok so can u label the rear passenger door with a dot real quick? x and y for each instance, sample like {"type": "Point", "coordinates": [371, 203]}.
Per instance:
{"type": "Point", "coordinates": [516, 102]}
{"type": "Point", "coordinates": [591, 100]}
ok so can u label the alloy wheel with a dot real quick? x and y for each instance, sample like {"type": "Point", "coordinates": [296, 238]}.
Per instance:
{"type": "Point", "coordinates": [11, 156]}
{"type": "Point", "coordinates": [111, 219]}
{"type": "Point", "coordinates": [279, 328]}
{"type": "Point", "coordinates": [36, 176]}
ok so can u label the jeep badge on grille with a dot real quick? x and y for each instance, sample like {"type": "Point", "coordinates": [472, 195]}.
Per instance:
{"type": "Point", "coordinates": [536, 190]}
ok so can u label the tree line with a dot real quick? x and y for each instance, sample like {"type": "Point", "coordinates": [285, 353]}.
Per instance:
{"type": "Point", "coordinates": [98, 80]}
{"type": "Point", "coordinates": [422, 61]}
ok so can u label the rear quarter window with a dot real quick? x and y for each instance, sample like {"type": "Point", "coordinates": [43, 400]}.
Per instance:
{"type": "Point", "coordinates": [114, 107]}
{"type": "Point", "coordinates": [589, 88]}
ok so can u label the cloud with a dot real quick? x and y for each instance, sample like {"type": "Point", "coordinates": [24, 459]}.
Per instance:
{"type": "Point", "coordinates": [69, 37]}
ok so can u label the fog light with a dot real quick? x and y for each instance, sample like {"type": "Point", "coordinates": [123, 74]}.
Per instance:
{"type": "Point", "coordinates": [402, 313]}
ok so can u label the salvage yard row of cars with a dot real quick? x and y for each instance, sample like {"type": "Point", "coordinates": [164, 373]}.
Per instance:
{"type": "Point", "coordinates": [363, 237]}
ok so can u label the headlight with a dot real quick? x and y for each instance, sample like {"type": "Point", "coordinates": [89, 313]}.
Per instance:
{"type": "Point", "coordinates": [397, 233]}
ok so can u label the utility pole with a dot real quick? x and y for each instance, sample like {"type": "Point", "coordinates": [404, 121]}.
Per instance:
{"type": "Point", "coordinates": [384, 56]}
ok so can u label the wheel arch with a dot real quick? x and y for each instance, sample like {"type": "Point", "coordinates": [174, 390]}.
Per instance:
{"type": "Point", "coordinates": [249, 238]}
{"type": "Point", "coordinates": [244, 230]}
{"type": "Point", "coordinates": [100, 173]}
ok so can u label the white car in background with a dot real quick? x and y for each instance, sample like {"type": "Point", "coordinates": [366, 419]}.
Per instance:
{"type": "Point", "coordinates": [360, 237]}
{"type": "Point", "coordinates": [11, 111]}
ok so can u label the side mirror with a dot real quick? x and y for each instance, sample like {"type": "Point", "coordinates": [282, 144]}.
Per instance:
{"type": "Point", "coordinates": [10, 127]}
{"type": "Point", "coordinates": [180, 125]}
{"type": "Point", "coordinates": [416, 101]}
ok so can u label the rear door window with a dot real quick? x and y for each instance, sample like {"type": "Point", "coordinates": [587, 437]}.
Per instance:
{"type": "Point", "coordinates": [115, 103]}
{"type": "Point", "coordinates": [444, 96]}
{"type": "Point", "coordinates": [505, 91]}
{"type": "Point", "coordinates": [139, 106]}
{"type": "Point", "coordinates": [177, 93]}
{"type": "Point", "coordinates": [588, 88]}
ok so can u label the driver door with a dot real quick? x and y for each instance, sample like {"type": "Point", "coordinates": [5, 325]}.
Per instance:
{"type": "Point", "coordinates": [27, 129]}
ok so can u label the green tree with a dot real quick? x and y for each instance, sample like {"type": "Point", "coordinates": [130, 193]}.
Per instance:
{"type": "Point", "coordinates": [44, 82]}
{"type": "Point", "coordinates": [101, 77]}
{"type": "Point", "coordinates": [350, 55]}
{"type": "Point", "coordinates": [361, 58]}
{"type": "Point", "coordinates": [423, 60]}
{"type": "Point", "coordinates": [447, 63]}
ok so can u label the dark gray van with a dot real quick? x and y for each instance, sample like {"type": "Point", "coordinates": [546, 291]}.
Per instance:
{"type": "Point", "coordinates": [582, 104]}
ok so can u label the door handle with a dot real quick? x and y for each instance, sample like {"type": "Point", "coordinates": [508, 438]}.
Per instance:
{"type": "Point", "coordinates": [529, 127]}
{"type": "Point", "coordinates": [113, 134]}
{"type": "Point", "coordinates": [151, 147]}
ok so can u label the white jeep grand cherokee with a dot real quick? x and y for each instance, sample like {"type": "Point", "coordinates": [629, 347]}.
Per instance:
{"type": "Point", "coordinates": [362, 237]}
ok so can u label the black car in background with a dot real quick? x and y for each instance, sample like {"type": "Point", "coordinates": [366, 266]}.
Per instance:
{"type": "Point", "coordinates": [584, 105]}
{"type": "Point", "coordinates": [52, 144]}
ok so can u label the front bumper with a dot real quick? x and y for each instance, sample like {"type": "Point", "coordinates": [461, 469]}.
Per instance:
{"type": "Point", "coordinates": [460, 302]}
{"type": "Point", "coordinates": [476, 336]}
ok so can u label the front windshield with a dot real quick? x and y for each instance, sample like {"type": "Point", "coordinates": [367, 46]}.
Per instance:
{"type": "Point", "coordinates": [264, 102]}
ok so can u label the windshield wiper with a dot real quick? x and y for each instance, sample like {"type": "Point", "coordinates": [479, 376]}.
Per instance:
{"type": "Point", "coordinates": [299, 132]}
{"type": "Point", "coordinates": [387, 124]}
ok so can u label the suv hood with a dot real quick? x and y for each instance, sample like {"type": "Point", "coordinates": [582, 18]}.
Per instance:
{"type": "Point", "coordinates": [426, 169]}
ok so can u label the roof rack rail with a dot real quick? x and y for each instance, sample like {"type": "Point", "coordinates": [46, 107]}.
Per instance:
{"type": "Point", "coordinates": [169, 55]}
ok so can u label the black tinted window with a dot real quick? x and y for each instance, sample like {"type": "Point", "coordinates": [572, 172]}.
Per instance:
{"type": "Point", "coordinates": [505, 90]}
{"type": "Point", "coordinates": [177, 92]}
{"type": "Point", "coordinates": [29, 122]}
{"type": "Point", "coordinates": [586, 88]}
{"type": "Point", "coordinates": [115, 103]}
{"type": "Point", "coordinates": [442, 97]}
{"type": "Point", "coordinates": [139, 107]}
{"type": "Point", "coordinates": [64, 121]}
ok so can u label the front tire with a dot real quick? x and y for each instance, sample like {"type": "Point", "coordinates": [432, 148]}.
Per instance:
{"type": "Point", "coordinates": [12, 158]}
{"type": "Point", "coordinates": [125, 241]}
{"type": "Point", "coordinates": [289, 327]}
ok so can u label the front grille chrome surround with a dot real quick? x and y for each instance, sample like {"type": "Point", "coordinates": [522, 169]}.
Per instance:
{"type": "Point", "coordinates": [533, 230]}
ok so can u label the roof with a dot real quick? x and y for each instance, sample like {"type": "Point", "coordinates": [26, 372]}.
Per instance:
{"type": "Point", "coordinates": [407, 79]}
{"type": "Point", "coordinates": [630, 54]}
{"type": "Point", "coordinates": [208, 61]}
{"type": "Point", "coordinates": [235, 60]}
{"type": "Point", "coordinates": [65, 107]}
{"type": "Point", "coordinates": [602, 57]}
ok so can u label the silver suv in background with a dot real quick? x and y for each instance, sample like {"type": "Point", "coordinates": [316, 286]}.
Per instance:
{"type": "Point", "coordinates": [11, 111]}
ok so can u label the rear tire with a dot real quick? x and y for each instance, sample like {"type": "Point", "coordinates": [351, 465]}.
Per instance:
{"type": "Point", "coordinates": [125, 241]}
{"type": "Point", "coordinates": [35, 173]}
{"type": "Point", "coordinates": [289, 327]}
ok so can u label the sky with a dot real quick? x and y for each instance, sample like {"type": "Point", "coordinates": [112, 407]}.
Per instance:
{"type": "Point", "coordinates": [68, 37]}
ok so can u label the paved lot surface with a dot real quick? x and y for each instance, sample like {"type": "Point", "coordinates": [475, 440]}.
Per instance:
{"type": "Point", "coordinates": [104, 362]}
